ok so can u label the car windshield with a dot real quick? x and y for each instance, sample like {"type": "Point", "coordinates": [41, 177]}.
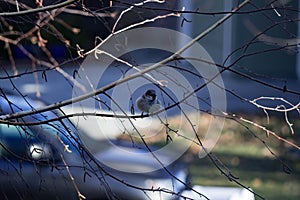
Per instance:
{"type": "Point", "coordinates": [15, 140]}
{"type": "Point", "coordinates": [28, 142]}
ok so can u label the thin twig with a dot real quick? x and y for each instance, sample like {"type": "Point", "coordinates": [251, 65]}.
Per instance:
{"type": "Point", "coordinates": [37, 10]}
{"type": "Point", "coordinates": [133, 76]}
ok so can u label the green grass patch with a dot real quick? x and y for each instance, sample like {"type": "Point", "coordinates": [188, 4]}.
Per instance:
{"type": "Point", "coordinates": [265, 177]}
{"type": "Point", "coordinates": [251, 153]}
{"type": "Point", "coordinates": [253, 161]}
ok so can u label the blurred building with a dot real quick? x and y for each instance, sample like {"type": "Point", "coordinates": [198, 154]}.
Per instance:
{"type": "Point", "coordinates": [269, 36]}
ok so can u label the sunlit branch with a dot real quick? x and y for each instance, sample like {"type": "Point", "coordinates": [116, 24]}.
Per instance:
{"type": "Point", "coordinates": [37, 10]}
{"type": "Point", "coordinates": [135, 75]}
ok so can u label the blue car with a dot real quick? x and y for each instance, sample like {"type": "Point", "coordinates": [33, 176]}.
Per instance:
{"type": "Point", "coordinates": [49, 161]}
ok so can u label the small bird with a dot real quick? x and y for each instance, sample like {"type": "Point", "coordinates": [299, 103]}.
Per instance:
{"type": "Point", "coordinates": [148, 102]}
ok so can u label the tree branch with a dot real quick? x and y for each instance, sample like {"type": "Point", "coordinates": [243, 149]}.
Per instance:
{"type": "Point", "coordinates": [37, 10]}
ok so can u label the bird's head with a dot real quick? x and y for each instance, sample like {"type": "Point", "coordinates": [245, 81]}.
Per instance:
{"type": "Point", "coordinates": [150, 95]}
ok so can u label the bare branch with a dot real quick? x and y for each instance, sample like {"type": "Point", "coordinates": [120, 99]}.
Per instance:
{"type": "Point", "coordinates": [37, 10]}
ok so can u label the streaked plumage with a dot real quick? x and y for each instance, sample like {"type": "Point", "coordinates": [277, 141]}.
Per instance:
{"type": "Point", "coordinates": [148, 102]}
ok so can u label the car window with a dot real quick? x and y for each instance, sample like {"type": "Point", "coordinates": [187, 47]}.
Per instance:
{"type": "Point", "coordinates": [20, 142]}
{"type": "Point", "coordinates": [14, 140]}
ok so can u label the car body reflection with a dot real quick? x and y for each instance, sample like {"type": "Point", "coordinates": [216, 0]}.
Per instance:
{"type": "Point", "coordinates": [47, 161]}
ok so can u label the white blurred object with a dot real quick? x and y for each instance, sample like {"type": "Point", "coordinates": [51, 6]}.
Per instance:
{"type": "Point", "coordinates": [101, 128]}
{"type": "Point", "coordinates": [219, 193]}
{"type": "Point", "coordinates": [40, 151]}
